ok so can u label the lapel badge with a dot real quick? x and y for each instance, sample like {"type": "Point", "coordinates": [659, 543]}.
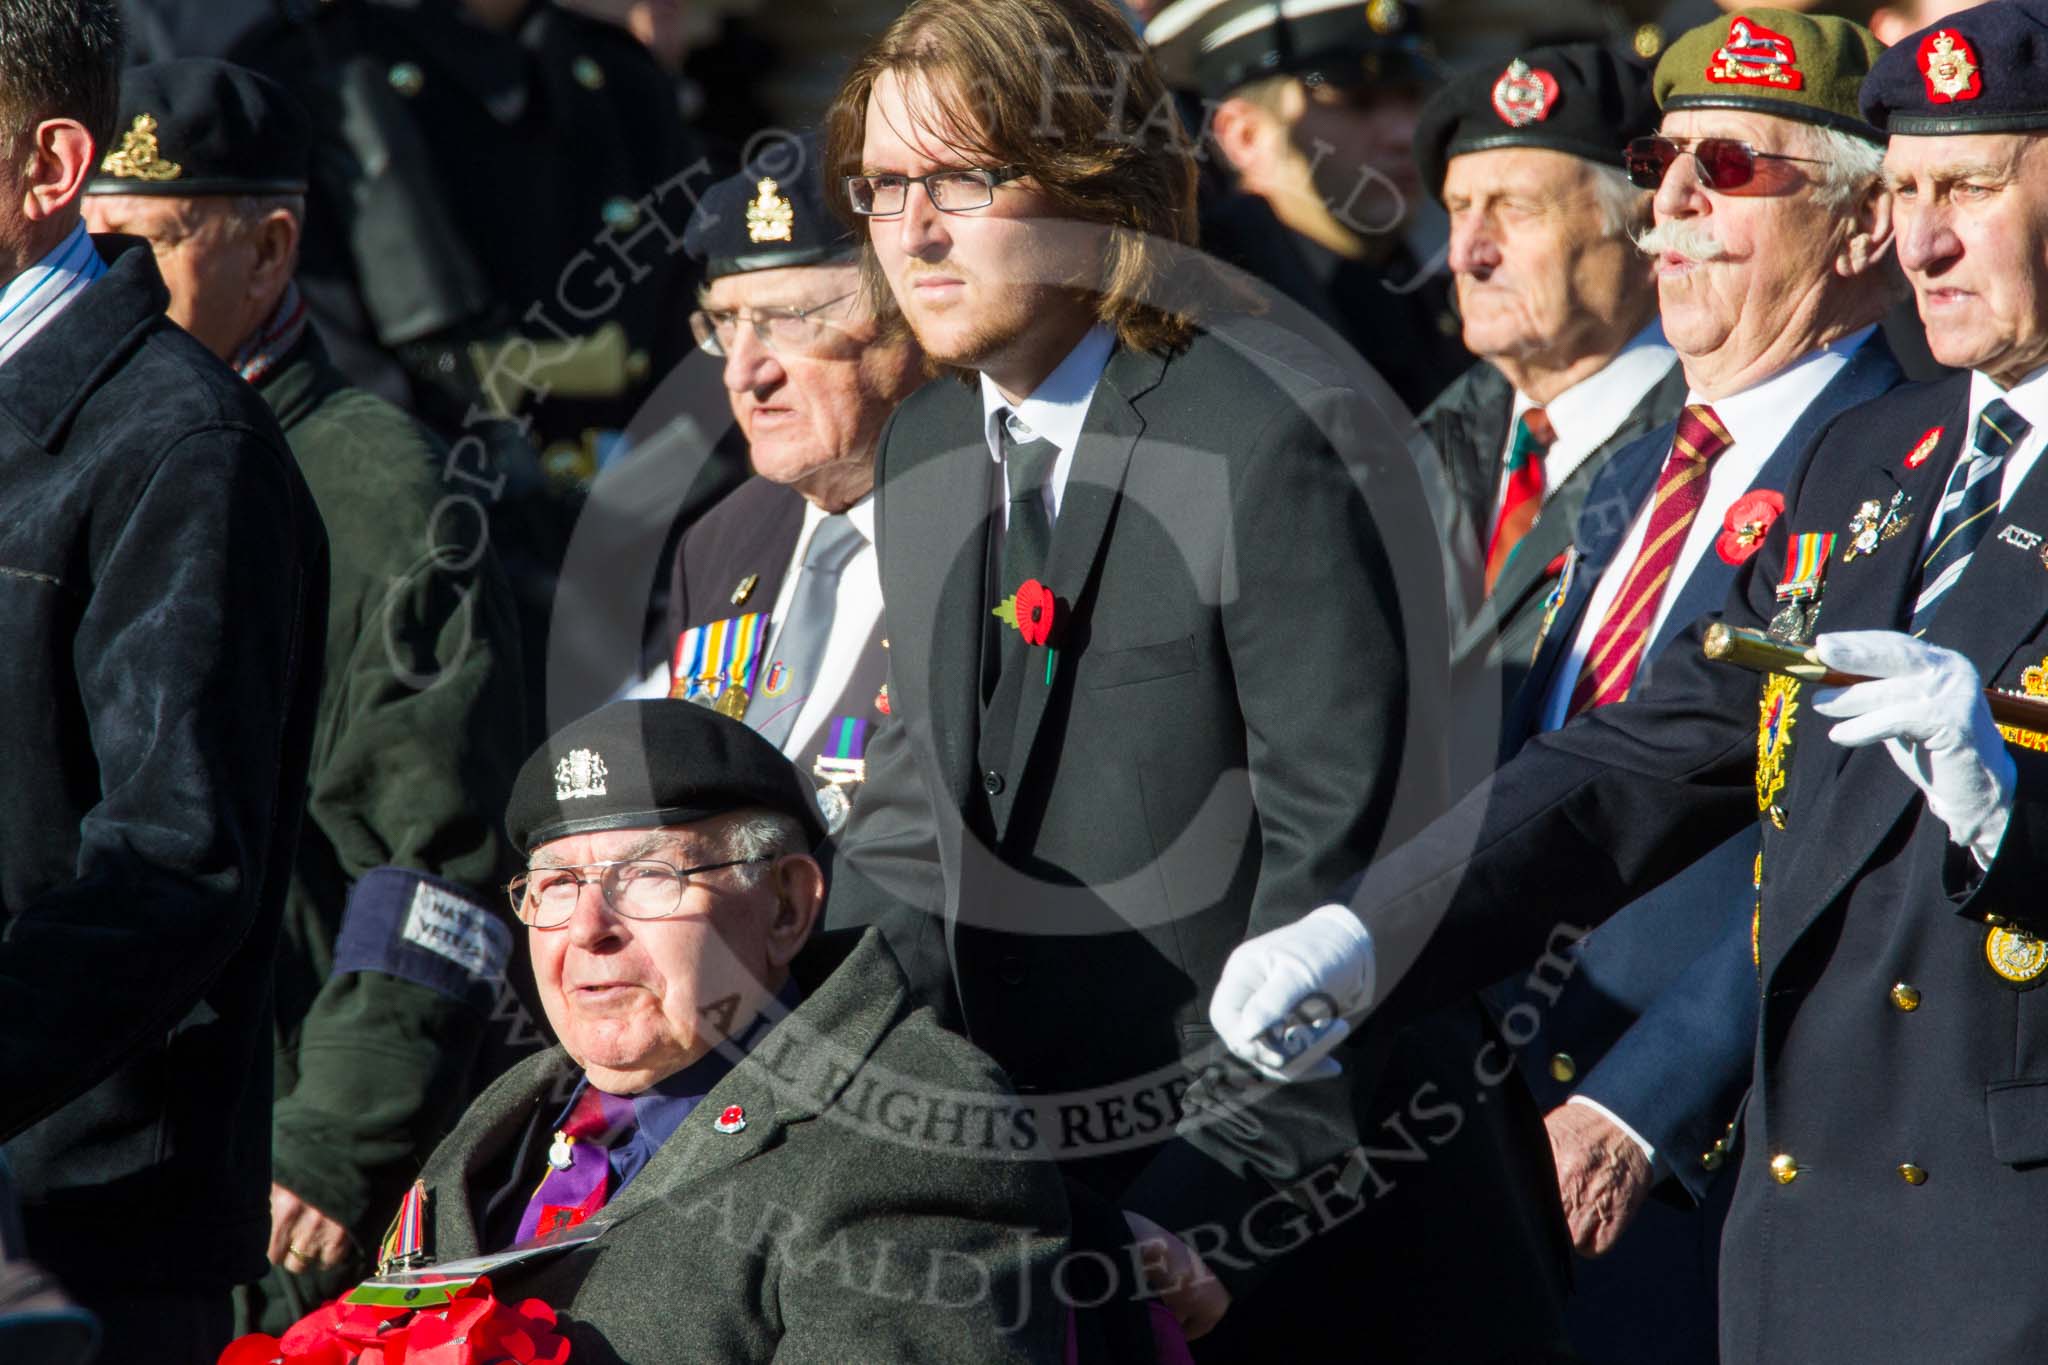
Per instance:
{"type": "Point", "coordinates": [777, 681]}
{"type": "Point", "coordinates": [770, 216]}
{"type": "Point", "coordinates": [1874, 521]}
{"type": "Point", "coordinates": [1748, 521]}
{"type": "Point", "coordinates": [137, 158]}
{"type": "Point", "coordinates": [580, 773]}
{"type": "Point", "coordinates": [1924, 447]}
{"type": "Point", "coordinates": [745, 589]}
{"type": "Point", "coordinates": [2019, 537]}
{"type": "Point", "coordinates": [2015, 957]}
{"type": "Point", "coordinates": [1949, 66]}
{"type": "Point", "coordinates": [882, 699]}
{"type": "Point", "coordinates": [732, 1120]}
{"type": "Point", "coordinates": [1523, 94]}
{"type": "Point", "coordinates": [562, 1151]}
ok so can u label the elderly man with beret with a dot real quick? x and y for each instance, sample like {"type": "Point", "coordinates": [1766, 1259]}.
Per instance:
{"type": "Point", "coordinates": [1561, 308]}
{"type": "Point", "coordinates": [393, 949]}
{"type": "Point", "coordinates": [774, 1172]}
{"type": "Point", "coordinates": [1894, 1144]}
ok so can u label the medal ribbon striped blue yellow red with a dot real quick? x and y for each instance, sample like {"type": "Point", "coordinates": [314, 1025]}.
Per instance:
{"type": "Point", "coordinates": [716, 656]}
{"type": "Point", "coordinates": [407, 1240]}
{"type": "Point", "coordinates": [1806, 559]}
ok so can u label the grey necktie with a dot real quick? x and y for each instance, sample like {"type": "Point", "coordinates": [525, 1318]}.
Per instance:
{"type": "Point", "coordinates": [800, 647]}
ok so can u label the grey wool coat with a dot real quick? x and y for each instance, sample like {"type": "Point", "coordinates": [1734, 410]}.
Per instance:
{"type": "Point", "coordinates": [880, 1203]}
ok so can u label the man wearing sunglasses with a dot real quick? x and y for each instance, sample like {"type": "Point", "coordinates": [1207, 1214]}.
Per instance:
{"type": "Point", "coordinates": [768, 1167]}
{"type": "Point", "coordinates": [775, 607]}
{"type": "Point", "coordinates": [1894, 939]}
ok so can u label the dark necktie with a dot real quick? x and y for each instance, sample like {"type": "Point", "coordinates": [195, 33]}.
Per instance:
{"type": "Point", "coordinates": [1027, 539]}
{"type": "Point", "coordinates": [1968, 504]}
{"type": "Point", "coordinates": [1525, 487]}
{"type": "Point", "coordinates": [1624, 632]}
{"type": "Point", "coordinates": [579, 1164]}
{"type": "Point", "coordinates": [800, 647]}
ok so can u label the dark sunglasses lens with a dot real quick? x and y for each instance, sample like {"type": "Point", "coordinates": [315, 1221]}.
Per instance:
{"type": "Point", "coordinates": [1647, 159]}
{"type": "Point", "coordinates": [1724, 164]}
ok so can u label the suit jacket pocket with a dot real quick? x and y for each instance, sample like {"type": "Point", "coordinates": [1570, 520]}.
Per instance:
{"type": "Point", "coordinates": [1140, 663]}
{"type": "Point", "coordinates": [2018, 1114]}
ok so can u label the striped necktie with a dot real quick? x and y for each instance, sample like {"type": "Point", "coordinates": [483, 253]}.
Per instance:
{"type": "Point", "coordinates": [579, 1163]}
{"type": "Point", "coordinates": [1967, 505]}
{"type": "Point", "coordinates": [1624, 633]}
{"type": "Point", "coordinates": [1524, 495]}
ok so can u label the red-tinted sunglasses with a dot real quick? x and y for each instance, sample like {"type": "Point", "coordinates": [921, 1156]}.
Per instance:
{"type": "Point", "coordinates": [1723, 163]}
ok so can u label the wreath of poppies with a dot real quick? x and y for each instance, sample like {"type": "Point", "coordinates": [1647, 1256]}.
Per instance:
{"type": "Point", "coordinates": [472, 1328]}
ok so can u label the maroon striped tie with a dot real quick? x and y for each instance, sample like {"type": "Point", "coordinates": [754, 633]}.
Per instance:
{"type": "Point", "coordinates": [1618, 645]}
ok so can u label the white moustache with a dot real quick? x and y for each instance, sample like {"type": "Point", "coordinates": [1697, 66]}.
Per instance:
{"type": "Point", "coordinates": [1683, 238]}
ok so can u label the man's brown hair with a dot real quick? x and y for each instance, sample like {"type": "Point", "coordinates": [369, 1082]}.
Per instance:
{"type": "Point", "coordinates": [1064, 91]}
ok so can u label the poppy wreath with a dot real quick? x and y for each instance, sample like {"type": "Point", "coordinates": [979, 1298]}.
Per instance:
{"type": "Point", "coordinates": [1748, 521]}
{"type": "Point", "coordinates": [472, 1328]}
{"type": "Point", "coordinates": [1031, 611]}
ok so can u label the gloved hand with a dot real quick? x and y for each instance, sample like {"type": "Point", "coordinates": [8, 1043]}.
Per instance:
{"type": "Point", "coordinates": [1280, 1002]}
{"type": "Point", "coordinates": [1927, 704]}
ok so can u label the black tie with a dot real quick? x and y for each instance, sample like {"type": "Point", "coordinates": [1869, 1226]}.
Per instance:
{"type": "Point", "coordinates": [1027, 540]}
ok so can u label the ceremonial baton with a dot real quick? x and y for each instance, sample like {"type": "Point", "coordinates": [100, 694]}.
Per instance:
{"type": "Point", "coordinates": [1758, 652]}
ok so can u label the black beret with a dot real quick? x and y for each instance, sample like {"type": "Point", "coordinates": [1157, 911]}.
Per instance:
{"type": "Point", "coordinates": [641, 764]}
{"type": "Point", "coordinates": [197, 126]}
{"type": "Point", "coordinates": [1578, 98]}
{"type": "Point", "coordinates": [1984, 70]}
{"type": "Point", "coordinates": [1216, 46]}
{"type": "Point", "coordinates": [772, 214]}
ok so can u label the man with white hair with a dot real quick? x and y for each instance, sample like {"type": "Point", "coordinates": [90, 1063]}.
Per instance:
{"type": "Point", "coordinates": [1770, 252]}
{"type": "Point", "coordinates": [1562, 310]}
{"type": "Point", "coordinates": [1892, 1142]}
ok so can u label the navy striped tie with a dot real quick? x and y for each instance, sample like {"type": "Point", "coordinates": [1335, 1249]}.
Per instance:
{"type": "Point", "coordinates": [1967, 505]}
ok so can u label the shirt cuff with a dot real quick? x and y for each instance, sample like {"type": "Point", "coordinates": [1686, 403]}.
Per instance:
{"type": "Point", "coordinates": [1649, 1152]}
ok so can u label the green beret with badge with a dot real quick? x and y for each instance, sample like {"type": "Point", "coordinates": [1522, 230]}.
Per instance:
{"type": "Point", "coordinates": [1772, 61]}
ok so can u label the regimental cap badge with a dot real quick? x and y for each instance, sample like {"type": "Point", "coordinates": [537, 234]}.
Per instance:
{"type": "Point", "coordinates": [770, 217]}
{"type": "Point", "coordinates": [731, 1120]}
{"type": "Point", "coordinates": [2015, 957]}
{"type": "Point", "coordinates": [1386, 17]}
{"type": "Point", "coordinates": [580, 773]}
{"type": "Point", "coordinates": [1524, 94]}
{"type": "Point", "coordinates": [1949, 66]}
{"type": "Point", "coordinates": [1754, 55]}
{"type": "Point", "coordinates": [138, 157]}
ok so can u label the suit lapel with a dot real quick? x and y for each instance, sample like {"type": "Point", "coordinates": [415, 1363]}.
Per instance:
{"type": "Point", "coordinates": [1094, 483]}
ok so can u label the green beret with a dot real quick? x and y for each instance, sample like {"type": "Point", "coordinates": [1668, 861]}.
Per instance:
{"type": "Point", "coordinates": [1772, 61]}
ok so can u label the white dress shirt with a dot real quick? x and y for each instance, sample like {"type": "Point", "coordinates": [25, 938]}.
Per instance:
{"type": "Point", "coordinates": [2028, 398]}
{"type": "Point", "coordinates": [1054, 411]}
{"type": "Point", "coordinates": [855, 609]}
{"type": "Point", "coordinates": [1585, 415]}
{"type": "Point", "coordinates": [1759, 418]}
{"type": "Point", "coordinates": [33, 299]}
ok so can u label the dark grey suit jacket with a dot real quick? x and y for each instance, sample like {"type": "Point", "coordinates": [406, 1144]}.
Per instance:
{"type": "Point", "coordinates": [850, 1219]}
{"type": "Point", "coordinates": [1244, 698]}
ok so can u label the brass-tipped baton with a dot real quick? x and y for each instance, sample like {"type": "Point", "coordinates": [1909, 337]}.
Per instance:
{"type": "Point", "coordinates": [1758, 652]}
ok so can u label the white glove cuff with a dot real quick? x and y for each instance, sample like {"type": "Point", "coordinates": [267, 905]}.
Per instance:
{"type": "Point", "coordinates": [1352, 990]}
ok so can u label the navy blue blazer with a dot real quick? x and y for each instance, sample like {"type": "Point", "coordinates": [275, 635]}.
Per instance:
{"type": "Point", "coordinates": [1682, 1108]}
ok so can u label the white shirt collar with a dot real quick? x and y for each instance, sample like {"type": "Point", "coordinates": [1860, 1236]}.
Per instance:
{"type": "Point", "coordinates": [861, 513]}
{"type": "Point", "coordinates": [1590, 411]}
{"type": "Point", "coordinates": [1766, 411]}
{"type": "Point", "coordinates": [32, 300]}
{"type": "Point", "coordinates": [2028, 398]}
{"type": "Point", "coordinates": [1059, 405]}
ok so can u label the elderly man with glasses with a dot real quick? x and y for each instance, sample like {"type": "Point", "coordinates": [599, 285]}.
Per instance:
{"type": "Point", "coordinates": [775, 604]}
{"type": "Point", "coordinates": [728, 1165]}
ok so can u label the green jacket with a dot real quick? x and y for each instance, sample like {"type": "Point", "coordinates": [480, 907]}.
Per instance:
{"type": "Point", "coordinates": [854, 1216]}
{"type": "Point", "coordinates": [417, 739]}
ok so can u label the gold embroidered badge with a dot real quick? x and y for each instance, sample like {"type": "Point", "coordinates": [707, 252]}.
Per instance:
{"type": "Point", "coordinates": [138, 157]}
{"type": "Point", "coordinates": [770, 217]}
{"type": "Point", "coordinates": [1775, 713]}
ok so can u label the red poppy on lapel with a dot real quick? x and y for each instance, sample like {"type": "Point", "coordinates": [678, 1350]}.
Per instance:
{"type": "Point", "coordinates": [1747, 523]}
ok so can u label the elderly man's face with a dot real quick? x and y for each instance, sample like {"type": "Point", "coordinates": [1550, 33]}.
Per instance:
{"type": "Point", "coordinates": [205, 253]}
{"type": "Point", "coordinates": [635, 1001]}
{"type": "Point", "coordinates": [1971, 221]}
{"type": "Point", "coordinates": [1538, 270]}
{"type": "Point", "coordinates": [1734, 269]}
{"type": "Point", "coordinates": [814, 409]}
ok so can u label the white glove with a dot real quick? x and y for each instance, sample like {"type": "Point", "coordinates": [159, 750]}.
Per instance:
{"type": "Point", "coordinates": [1927, 704]}
{"type": "Point", "coordinates": [1280, 1002]}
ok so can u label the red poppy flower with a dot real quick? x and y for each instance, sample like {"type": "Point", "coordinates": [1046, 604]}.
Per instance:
{"type": "Point", "coordinates": [1035, 609]}
{"type": "Point", "coordinates": [1747, 523]}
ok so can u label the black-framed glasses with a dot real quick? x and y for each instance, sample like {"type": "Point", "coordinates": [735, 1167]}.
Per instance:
{"type": "Point", "coordinates": [637, 888]}
{"type": "Point", "coordinates": [786, 331]}
{"type": "Point", "coordinates": [952, 191]}
{"type": "Point", "coordinates": [1724, 164]}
